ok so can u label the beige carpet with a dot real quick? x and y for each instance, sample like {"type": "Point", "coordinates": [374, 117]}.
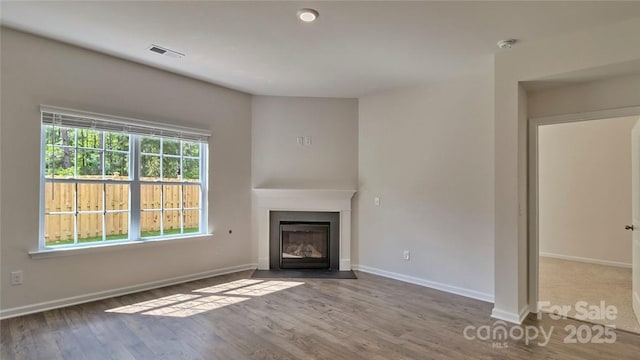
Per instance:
{"type": "Point", "coordinates": [564, 282]}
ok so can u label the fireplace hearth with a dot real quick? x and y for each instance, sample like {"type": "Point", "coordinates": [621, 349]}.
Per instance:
{"type": "Point", "coordinates": [304, 240]}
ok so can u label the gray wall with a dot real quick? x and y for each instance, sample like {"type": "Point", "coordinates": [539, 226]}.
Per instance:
{"type": "Point", "coordinates": [330, 162]}
{"type": "Point", "coordinates": [611, 93]}
{"type": "Point", "coordinates": [427, 153]}
{"type": "Point", "coordinates": [38, 71]}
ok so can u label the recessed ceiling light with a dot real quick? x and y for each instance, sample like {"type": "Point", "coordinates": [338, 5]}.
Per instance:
{"type": "Point", "coordinates": [307, 15]}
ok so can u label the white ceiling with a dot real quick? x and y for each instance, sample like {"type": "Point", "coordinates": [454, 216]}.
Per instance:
{"type": "Point", "coordinates": [354, 48]}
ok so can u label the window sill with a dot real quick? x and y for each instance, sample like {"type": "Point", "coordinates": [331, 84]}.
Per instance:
{"type": "Point", "coordinates": [126, 245]}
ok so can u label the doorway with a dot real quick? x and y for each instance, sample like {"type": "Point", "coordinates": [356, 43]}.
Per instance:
{"type": "Point", "coordinates": [580, 172]}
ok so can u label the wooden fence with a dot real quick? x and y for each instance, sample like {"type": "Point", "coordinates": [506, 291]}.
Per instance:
{"type": "Point", "coordinates": [60, 197]}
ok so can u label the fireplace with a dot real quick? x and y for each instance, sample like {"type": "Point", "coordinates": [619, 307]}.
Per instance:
{"type": "Point", "coordinates": [273, 200]}
{"type": "Point", "coordinates": [304, 240]}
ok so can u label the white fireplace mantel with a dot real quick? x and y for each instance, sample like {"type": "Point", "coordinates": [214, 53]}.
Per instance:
{"type": "Point", "coordinates": [270, 199]}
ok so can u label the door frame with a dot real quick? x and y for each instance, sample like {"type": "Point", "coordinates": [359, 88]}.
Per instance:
{"type": "Point", "coordinates": [533, 193]}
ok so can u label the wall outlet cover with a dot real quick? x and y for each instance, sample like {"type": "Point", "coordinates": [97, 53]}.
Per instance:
{"type": "Point", "coordinates": [16, 277]}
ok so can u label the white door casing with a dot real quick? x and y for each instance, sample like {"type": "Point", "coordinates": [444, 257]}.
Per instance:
{"type": "Point", "coordinates": [635, 193]}
{"type": "Point", "coordinates": [534, 123]}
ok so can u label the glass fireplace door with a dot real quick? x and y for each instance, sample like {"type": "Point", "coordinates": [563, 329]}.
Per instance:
{"type": "Point", "coordinates": [304, 245]}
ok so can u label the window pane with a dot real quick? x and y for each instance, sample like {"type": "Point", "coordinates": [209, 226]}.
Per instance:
{"type": "Point", "coordinates": [150, 196]}
{"type": "Point", "coordinates": [90, 197]}
{"type": "Point", "coordinates": [89, 138]}
{"type": "Point", "coordinates": [116, 141]}
{"type": "Point", "coordinates": [55, 135]}
{"type": "Point", "coordinates": [94, 211]}
{"type": "Point", "coordinates": [58, 229]}
{"type": "Point", "coordinates": [116, 165]}
{"type": "Point", "coordinates": [150, 145]}
{"type": "Point", "coordinates": [171, 196]}
{"type": "Point", "coordinates": [170, 147]}
{"type": "Point", "coordinates": [89, 227]}
{"type": "Point", "coordinates": [89, 163]}
{"type": "Point", "coordinates": [191, 221]}
{"type": "Point", "coordinates": [170, 169]}
{"type": "Point", "coordinates": [59, 197]}
{"type": "Point", "coordinates": [149, 167]}
{"type": "Point", "coordinates": [117, 196]}
{"type": "Point", "coordinates": [117, 226]}
{"type": "Point", "coordinates": [150, 223]}
{"type": "Point", "coordinates": [191, 169]}
{"type": "Point", "coordinates": [191, 196]}
{"type": "Point", "coordinates": [171, 222]}
{"type": "Point", "coordinates": [190, 149]}
{"type": "Point", "coordinates": [59, 161]}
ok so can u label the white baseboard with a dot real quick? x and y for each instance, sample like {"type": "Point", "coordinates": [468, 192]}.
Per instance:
{"type": "Point", "coordinates": [426, 283]}
{"type": "Point", "coordinates": [510, 316]}
{"type": "Point", "coordinates": [585, 260]}
{"type": "Point", "coordinates": [74, 300]}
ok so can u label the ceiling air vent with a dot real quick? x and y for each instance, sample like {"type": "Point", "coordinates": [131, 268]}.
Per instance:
{"type": "Point", "coordinates": [166, 52]}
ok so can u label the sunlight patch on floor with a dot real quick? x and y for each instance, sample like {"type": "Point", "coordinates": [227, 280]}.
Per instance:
{"type": "Point", "coordinates": [265, 288]}
{"type": "Point", "coordinates": [196, 306]}
{"type": "Point", "coordinates": [201, 300]}
{"type": "Point", "coordinates": [228, 286]}
{"type": "Point", "coordinates": [155, 303]}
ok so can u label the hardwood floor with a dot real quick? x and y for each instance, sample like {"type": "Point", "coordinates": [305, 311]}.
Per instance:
{"type": "Point", "coordinates": [234, 317]}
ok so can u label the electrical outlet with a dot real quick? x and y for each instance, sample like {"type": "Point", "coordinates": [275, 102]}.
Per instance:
{"type": "Point", "coordinates": [376, 201]}
{"type": "Point", "coordinates": [405, 254]}
{"type": "Point", "coordinates": [300, 140]}
{"type": "Point", "coordinates": [307, 140]}
{"type": "Point", "coordinates": [16, 277]}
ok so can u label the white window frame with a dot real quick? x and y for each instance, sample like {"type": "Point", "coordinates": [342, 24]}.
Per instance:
{"type": "Point", "coordinates": [135, 191]}
{"type": "Point", "coordinates": [134, 181]}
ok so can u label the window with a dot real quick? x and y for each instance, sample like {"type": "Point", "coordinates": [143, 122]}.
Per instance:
{"type": "Point", "coordinates": [109, 179]}
{"type": "Point", "coordinates": [170, 187]}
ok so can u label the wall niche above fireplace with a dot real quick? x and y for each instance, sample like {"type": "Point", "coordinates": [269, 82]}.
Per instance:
{"type": "Point", "coordinates": [304, 240]}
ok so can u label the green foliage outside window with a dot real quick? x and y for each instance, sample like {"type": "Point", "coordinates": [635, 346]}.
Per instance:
{"type": "Point", "coordinates": [85, 148]}
{"type": "Point", "coordinates": [80, 152]}
{"type": "Point", "coordinates": [168, 153]}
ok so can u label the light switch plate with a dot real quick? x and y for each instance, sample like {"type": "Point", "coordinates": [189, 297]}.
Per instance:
{"type": "Point", "coordinates": [16, 277]}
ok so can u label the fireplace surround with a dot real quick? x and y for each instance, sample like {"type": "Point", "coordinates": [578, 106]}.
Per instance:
{"type": "Point", "coordinates": [267, 200]}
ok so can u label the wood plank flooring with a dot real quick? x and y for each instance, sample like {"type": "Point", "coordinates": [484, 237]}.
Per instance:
{"type": "Point", "coordinates": [234, 317]}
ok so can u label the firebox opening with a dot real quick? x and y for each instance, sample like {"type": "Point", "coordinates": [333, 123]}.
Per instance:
{"type": "Point", "coordinates": [304, 240]}
{"type": "Point", "coordinates": [304, 245]}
